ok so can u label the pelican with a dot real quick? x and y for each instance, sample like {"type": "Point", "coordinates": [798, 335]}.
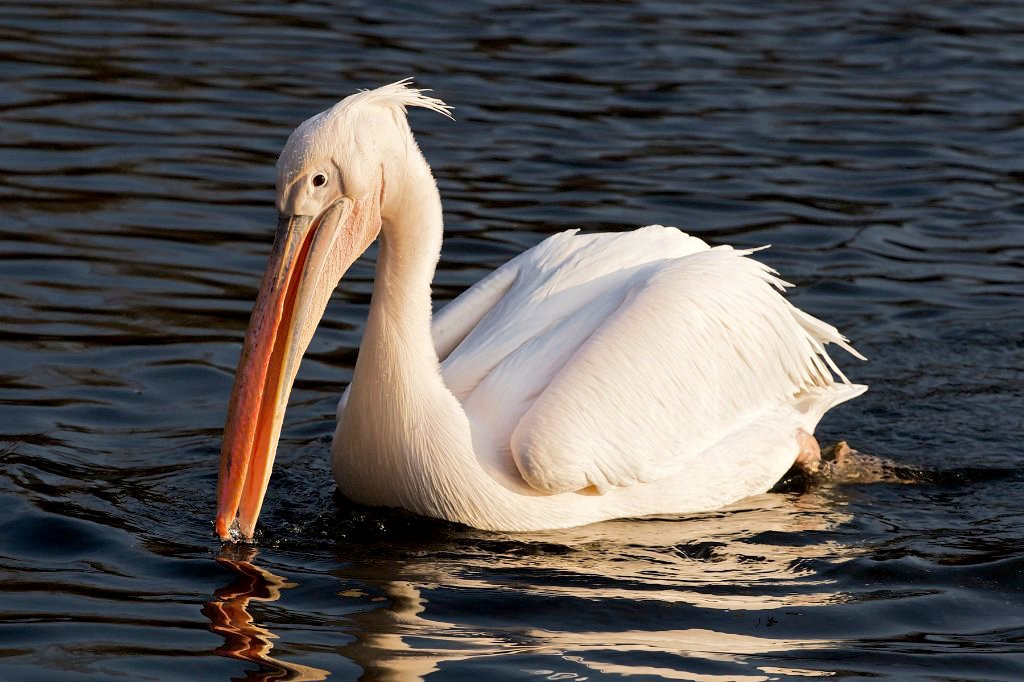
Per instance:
{"type": "Point", "coordinates": [594, 376]}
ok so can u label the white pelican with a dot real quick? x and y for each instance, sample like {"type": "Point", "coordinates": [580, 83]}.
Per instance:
{"type": "Point", "coordinates": [592, 377]}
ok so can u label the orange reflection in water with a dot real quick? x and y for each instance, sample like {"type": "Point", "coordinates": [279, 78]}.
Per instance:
{"type": "Point", "coordinates": [244, 639]}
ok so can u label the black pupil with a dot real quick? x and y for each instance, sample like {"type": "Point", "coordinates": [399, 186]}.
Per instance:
{"type": "Point", "coordinates": [319, 180]}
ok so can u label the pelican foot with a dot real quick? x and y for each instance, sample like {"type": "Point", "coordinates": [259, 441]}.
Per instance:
{"type": "Point", "coordinates": [809, 457]}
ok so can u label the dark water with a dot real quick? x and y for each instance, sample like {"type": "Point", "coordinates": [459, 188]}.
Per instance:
{"type": "Point", "coordinates": [878, 146]}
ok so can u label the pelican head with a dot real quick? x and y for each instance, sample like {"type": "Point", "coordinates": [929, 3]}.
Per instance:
{"type": "Point", "coordinates": [338, 177]}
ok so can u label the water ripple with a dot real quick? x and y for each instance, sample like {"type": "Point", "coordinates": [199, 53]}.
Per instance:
{"type": "Point", "coordinates": [876, 146]}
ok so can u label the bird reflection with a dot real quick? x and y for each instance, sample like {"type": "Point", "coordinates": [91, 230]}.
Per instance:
{"type": "Point", "coordinates": [383, 646]}
{"type": "Point", "coordinates": [733, 560]}
{"type": "Point", "coordinates": [244, 639]}
{"type": "Point", "coordinates": [396, 596]}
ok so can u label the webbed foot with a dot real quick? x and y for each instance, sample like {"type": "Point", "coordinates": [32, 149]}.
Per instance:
{"type": "Point", "coordinates": [809, 457]}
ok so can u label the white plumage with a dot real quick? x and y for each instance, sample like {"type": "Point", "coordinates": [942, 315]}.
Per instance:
{"type": "Point", "coordinates": [609, 375]}
{"type": "Point", "coordinates": [592, 377]}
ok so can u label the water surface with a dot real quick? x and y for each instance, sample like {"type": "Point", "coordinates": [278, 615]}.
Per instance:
{"type": "Point", "coordinates": [878, 147]}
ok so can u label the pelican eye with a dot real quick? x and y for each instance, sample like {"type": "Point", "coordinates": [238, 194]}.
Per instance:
{"type": "Point", "coordinates": [319, 180]}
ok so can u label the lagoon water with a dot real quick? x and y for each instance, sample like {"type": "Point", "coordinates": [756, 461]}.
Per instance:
{"type": "Point", "coordinates": [877, 146]}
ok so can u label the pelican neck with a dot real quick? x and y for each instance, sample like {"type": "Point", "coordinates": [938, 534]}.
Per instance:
{"type": "Point", "coordinates": [398, 325]}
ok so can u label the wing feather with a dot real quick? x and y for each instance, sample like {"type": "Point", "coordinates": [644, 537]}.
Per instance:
{"type": "Point", "coordinates": [554, 281]}
{"type": "Point", "coordinates": [704, 343]}
{"type": "Point", "coordinates": [455, 321]}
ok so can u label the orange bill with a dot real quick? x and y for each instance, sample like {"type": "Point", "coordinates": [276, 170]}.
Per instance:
{"type": "Point", "coordinates": [309, 257]}
{"type": "Point", "coordinates": [256, 410]}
